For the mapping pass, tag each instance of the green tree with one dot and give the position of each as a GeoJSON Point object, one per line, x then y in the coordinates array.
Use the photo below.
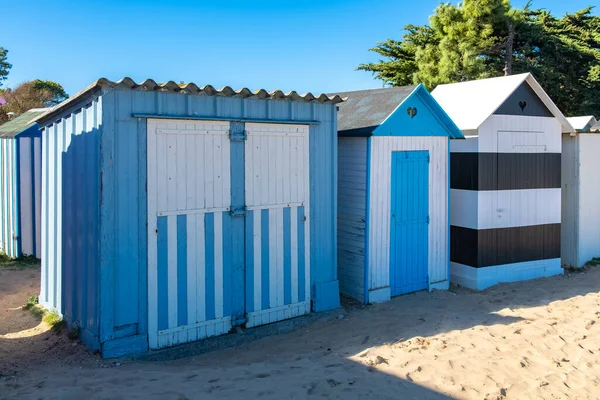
{"type": "Point", "coordinates": [4, 65]}
{"type": "Point", "coordinates": [32, 94]}
{"type": "Point", "coordinates": [486, 38]}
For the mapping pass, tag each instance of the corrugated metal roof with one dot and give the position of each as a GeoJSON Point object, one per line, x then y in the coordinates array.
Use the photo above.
{"type": "Point", "coordinates": [364, 110]}
{"type": "Point", "coordinates": [470, 103]}
{"type": "Point", "coordinates": [583, 123]}
{"type": "Point", "coordinates": [20, 123]}
{"type": "Point", "coordinates": [187, 88]}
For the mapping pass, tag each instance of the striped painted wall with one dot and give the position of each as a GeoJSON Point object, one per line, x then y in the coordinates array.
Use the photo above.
{"type": "Point", "coordinates": [191, 264]}
{"type": "Point", "coordinates": [9, 200]}
{"type": "Point", "coordinates": [379, 218]}
{"type": "Point", "coordinates": [352, 207]}
{"type": "Point", "coordinates": [70, 219]}
{"type": "Point", "coordinates": [506, 201]}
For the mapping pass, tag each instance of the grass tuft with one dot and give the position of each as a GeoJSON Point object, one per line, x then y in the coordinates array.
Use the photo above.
{"type": "Point", "coordinates": [53, 319]}
{"type": "Point", "coordinates": [22, 262]}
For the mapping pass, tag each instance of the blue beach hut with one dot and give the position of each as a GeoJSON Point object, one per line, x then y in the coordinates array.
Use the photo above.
{"type": "Point", "coordinates": [20, 185]}
{"type": "Point", "coordinates": [393, 210]}
{"type": "Point", "coordinates": [175, 212]}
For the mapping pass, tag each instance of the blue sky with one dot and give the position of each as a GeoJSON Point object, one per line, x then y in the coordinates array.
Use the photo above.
{"type": "Point", "coordinates": [289, 45]}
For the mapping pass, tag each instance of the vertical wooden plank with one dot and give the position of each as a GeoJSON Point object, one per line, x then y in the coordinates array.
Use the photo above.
{"type": "Point", "coordinates": [225, 170]}
{"type": "Point", "coordinates": [199, 174]}
{"type": "Point", "coordinates": [294, 252]}
{"type": "Point", "coordinates": [200, 268]}
{"type": "Point", "coordinates": [279, 256]}
{"type": "Point", "coordinates": [209, 182]}
{"type": "Point", "coordinates": [152, 167]}
{"type": "Point", "coordinates": [307, 222]}
{"type": "Point", "coordinates": [192, 263]}
{"type": "Point", "coordinates": [250, 181]}
{"type": "Point", "coordinates": [257, 243]}
{"type": "Point", "coordinates": [172, 268]}
{"type": "Point", "coordinates": [172, 176]}
{"type": "Point", "coordinates": [218, 170]}
{"type": "Point", "coordinates": [161, 170]}
{"type": "Point", "coordinates": [218, 257]}
{"type": "Point", "coordinates": [273, 283]}
{"type": "Point", "coordinates": [182, 183]}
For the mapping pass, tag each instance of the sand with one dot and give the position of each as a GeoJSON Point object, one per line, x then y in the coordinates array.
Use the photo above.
{"type": "Point", "coordinates": [535, 339]}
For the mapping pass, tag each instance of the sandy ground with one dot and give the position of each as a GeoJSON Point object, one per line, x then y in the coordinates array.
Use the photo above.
{"type": "Point", "coordinates": [536, 339]}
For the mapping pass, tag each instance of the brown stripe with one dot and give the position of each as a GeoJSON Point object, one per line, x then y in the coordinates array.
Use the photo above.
{"type": "Point", "coordinates": [504, 171]}
{"type": "Point", "coordinates": [488, 247]}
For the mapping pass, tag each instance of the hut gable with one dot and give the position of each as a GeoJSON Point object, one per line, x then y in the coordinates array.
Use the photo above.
{"type": "Point", "coordinates": [397, 111]}
{"type": "Point", "coordinates": [524, 101]}
{"type": "Point", "coordinates": [471, 103]}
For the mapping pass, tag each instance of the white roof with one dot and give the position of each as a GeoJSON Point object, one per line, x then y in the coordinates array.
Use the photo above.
{"type": "Point", "coordinates": [579, 123]}
{"type": "Point", "coordinates": [470, 103]}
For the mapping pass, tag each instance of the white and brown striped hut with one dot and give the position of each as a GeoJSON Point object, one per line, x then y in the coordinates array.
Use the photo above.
{"type": "Point", "coordinates": [505, 180]}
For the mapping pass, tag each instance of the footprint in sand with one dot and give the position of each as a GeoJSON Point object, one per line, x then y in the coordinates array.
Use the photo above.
{"type": "Point", "coordinates": [589, 325]}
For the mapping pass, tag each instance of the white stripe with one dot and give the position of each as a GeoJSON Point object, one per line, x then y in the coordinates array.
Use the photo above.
{"type": "Point", "coordinates": [250, 181]}
{"type": "Point", "coordinates": [294, 252]}
{"type": "Point", "coordinates": [192, 267]}
{"type": "Point", "coordinates": [201, 270]}
{"type": "Point", "coordinates": [226, 171]}
{"type": "Point", "coordinates": [218, 265]}
{"type": "Point", "coordinates": [159, 163]}
{"type": "Point", "coordinates": [272, 258]}
{"type": "Point", "coordinates": [172, 269]}
{"type": "Point", "coordinates": [505, 208]}
{"type": "Point", "coordinates": [179, 143]}
{"type": "Point", "coordinates": [38, 195]}
{"type": "Point", "coordinates": [257, 260]}
{"type": "Point", "coordinates": [280, 272]}
{"type": "Point", "coordinates": [209, 187]}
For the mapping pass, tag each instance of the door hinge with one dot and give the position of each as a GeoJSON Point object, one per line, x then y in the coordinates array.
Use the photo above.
{"type": "Point", "coordinates": [238, 212]}
{"type": "Point", "coordinates": [238, 136]}
{"type": "Point", "coordinates": [428, 219]}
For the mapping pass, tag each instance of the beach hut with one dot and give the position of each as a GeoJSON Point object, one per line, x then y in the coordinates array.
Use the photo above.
{"type": "Point", "coordinates": [505, 180]}
{"type": "Point", "coordinates": [393, 193]}
{"type": "Point", "coordinates": [20, 185]}
{"type": "Point", "coordinates": [580, 234]}
{"type": "Point", "coordinates": [175, 212]}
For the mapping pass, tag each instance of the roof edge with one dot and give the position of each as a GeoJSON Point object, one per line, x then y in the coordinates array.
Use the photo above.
{"type": "Point", "coordinates": [188, 88]}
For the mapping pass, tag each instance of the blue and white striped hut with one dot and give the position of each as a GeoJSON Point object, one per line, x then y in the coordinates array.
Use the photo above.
{"type": "Point", "coordinates": [177, 212]}
{"type": "Point", "coordinates": [20, 185]}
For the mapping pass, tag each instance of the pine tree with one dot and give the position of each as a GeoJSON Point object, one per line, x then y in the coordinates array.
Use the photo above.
{"type": "Point", "coordinates": [485, 38]}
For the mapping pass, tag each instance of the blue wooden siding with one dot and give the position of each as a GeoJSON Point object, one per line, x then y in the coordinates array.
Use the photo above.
{"type": "Point", "coordinates": [70, 220]}
{"type": "Point", "coordinates": [104, 224]}
{"type": "Point", "coordinates": [409, 222]}
{"type": "Point", "coordinates": [352, 190]}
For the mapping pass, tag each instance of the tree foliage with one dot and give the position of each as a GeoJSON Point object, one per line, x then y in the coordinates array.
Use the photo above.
{"type": "Point", "coordinates": [32, 94]}
{"type": "Point", "coordinates": [4, 65]}
{"type": "Point", "coordinates": [486, 38]}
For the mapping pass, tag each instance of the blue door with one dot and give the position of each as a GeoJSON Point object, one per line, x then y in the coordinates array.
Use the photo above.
{"type": "Point", "coordinates": [409, 221]}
